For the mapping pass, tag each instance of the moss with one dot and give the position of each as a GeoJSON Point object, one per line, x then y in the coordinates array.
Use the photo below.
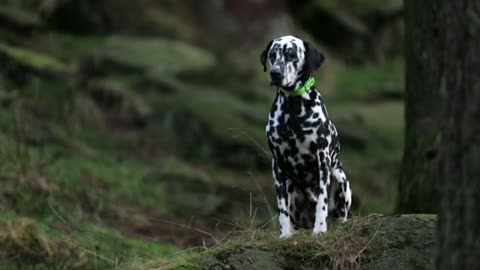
{"type": "Point", "coordinates": [360, 82]}
{"type": "Point", "coordinates": [403, 242]}
{"type": "Point", "coordinates": [72, 49]}
{"type": "Point", "coordinates": [19, 18]}
{"type": "Point", "coordinates": [129, 179]}
{"type": "Point", "coordinates": [120, 249]}
{"type": "Point", "coordinates": [187, 266]}
{"type": "Point", "coordinates": [34, 60]}
{"type": "Point", "coordinates": [169, 24]}
{"type": "Point", "coordinates": [117, 95]}
{"type": "Point", "coordinates": [31, 244]}
{"type": "Point", "coordinates": [156, 55]}
{"type": "Point", "coordinates": [172, 168]}
{"type": "Point", "coordinates": [377, 173]}
{"type": "Point", "coordinates": [215, 124]}
{"type": "Point", "coordinates": [254, 259]}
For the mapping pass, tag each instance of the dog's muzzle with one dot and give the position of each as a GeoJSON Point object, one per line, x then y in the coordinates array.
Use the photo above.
{"type": "Point", "coordinates": [276, 76]}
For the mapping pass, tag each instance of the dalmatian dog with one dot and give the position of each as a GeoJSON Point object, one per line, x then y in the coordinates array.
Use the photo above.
{"type": "Point", "coordinates": [303, 141]}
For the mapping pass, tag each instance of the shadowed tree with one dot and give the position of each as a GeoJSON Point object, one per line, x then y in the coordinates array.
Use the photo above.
{"type": "Point", "coordinates": [459, 150]}
{"type": "Point", "coordinates": [422, 107]}
{"type": "Point", "coordinates": [442, 152]}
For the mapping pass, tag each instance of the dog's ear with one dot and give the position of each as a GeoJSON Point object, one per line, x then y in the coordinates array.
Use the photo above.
{"type": "Point", "coordinates": [263, 56]}
{"type": "Point", "coordinates": [313, 58]}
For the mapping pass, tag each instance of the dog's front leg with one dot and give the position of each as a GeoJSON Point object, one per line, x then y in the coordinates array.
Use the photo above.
{"type": "Point", "coordinates": [321, 210]}
{"type": "Point", "coordinates": [286, 228]}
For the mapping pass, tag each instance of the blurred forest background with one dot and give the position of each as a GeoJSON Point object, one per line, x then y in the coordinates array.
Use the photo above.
{"type": "Point", "coordinates": [132, 130]}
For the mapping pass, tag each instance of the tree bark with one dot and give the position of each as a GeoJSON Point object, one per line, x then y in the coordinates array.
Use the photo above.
{"type": "Point", "coordinates": [442, 150]}
{"type": "Point", "coordinates": [422, 104]}
{"type": "Point", "coordinates": [459, 170]}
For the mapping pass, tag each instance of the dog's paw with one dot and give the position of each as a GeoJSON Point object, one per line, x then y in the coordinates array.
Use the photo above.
{"type": "Point", "coordinates": [318, 234]}
{"type": "Point", "coordinates": [285, 235]}
{"type": "Point", "coordinates": [320, 229]}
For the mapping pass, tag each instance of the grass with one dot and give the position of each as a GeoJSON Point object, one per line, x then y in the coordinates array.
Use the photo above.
{"type": "Point", "coordinates": [25, 242]}
{"type": "Point", "coordinates": [358, 82]}
{"type": "Point", "coordinates": [344, 246]}
{"type": "Point", "coordinates": [370, 242]}
{"type": "Point", "coordinates": [36, 244]}
{"type": "Point", "coordinates": [73, 195]}
{"type": "Point", "coordinates": [375, 177]}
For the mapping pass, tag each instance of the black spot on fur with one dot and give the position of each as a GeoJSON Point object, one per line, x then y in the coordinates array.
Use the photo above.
{"type": "Point", "coordinates": [297, 215]}
{"type": "Point", "coordinates": [304, 220]}
{"type": "Point", "coordinates": [312, 147]}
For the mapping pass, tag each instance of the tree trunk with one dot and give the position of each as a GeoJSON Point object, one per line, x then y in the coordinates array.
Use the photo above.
{"type": "Point", "coordinates": [423, 105]}
{"type": "Point", "coordinates": [443, 124]}
{"type": "Point", "coordinates": [459, 170]}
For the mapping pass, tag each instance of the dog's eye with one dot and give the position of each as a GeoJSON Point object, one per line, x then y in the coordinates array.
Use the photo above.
{"type": "Point", "coordinates": [292, 55]}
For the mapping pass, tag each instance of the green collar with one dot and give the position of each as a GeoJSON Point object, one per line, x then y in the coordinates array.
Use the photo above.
{"type": "Point", "coordinates": [302, 90]}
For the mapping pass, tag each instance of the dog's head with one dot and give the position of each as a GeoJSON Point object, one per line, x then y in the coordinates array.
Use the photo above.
{"type": "Point", "coordinates": [290, 59]}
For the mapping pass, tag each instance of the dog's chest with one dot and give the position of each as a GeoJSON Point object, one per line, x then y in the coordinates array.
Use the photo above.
{"type": "Point", "coordinates": [296, 129]}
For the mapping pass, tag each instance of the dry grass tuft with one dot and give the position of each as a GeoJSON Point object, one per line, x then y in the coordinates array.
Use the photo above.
{"type": "Point", "coordinates": [21, 241]}
{"type": "Point", "coordinates": [349, 249]}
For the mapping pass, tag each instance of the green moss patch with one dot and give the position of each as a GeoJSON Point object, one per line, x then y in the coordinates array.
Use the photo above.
{"type": "Point", "coordinates": [36, 61]}
{"type": "Point", "coordinates": [18, 18]}
{"type": "Point", "coordinates": [155, 55]}
{"type": "Point", "coordinates": [366, 82]}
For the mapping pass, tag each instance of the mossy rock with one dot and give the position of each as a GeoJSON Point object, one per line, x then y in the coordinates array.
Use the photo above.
{"type": "Point", "coordinates": [128, 108]}
{"type": "Point", "coordinates": [213, 125]}
{"type": "Point", "coordinates": [155, 56]}
{"type": "Point", "coordinates": [19, 19]}
{"type": "Point", "coordinates": [71, 49]}
{"type": "Point", "coordinates": [374, 242]}
{"type": "Point", "coordinates": [31, 61]}
{"type": "Point", "coordinates": [403, 242]}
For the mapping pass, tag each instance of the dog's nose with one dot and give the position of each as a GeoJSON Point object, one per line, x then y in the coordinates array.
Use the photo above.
{"type": "Point", "coordinates": [275, 75]}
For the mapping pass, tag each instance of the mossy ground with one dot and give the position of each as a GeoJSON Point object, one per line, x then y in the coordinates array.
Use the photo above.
{"type": "Point", "coordinates": [374, 242]}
